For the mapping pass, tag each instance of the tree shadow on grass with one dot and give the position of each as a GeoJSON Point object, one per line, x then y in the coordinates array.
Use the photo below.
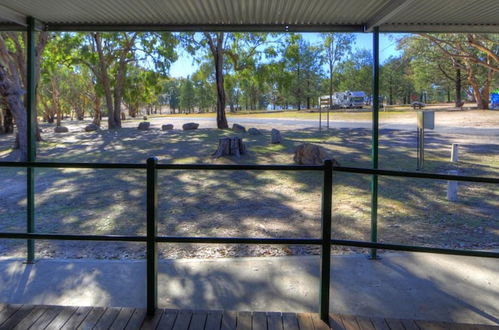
{"type": "Point", "coordinates": [246, 203]}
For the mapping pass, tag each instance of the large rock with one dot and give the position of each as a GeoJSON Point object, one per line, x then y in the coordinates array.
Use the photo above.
{"type": "Point", "coordinates": [238, 128]}
{"type": "Point", "coordinates": [254, 131]}
{"type": "Point", "coordinates": [91, 128]}
{"type": "Point", "coordinates": [167, 127]}
{"type": "Point", "coordinates": [311, 154]}
{"type": "Point", "coordinates": [144, 126]}
{"type": "Point", "coordinates": [61, 129]}
{"type": "Point", "coordinates": [276, 136]}
{"type": "Point", "coordinates": [190, 126]}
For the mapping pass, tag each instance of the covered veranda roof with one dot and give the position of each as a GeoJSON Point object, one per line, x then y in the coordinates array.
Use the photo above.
{"type": "Point", "coordinates": [254, 15]}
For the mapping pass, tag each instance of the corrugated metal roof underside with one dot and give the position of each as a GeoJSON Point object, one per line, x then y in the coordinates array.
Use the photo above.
{"type": "Point", "coordinates": [416, 15]}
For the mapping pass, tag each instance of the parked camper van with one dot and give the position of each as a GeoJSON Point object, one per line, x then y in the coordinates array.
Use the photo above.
{"type": "Point", "coordinates": [345, 100]}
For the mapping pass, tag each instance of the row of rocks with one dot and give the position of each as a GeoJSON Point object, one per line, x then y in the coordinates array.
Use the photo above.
{"type": "Point", "coordinates": [145, 125]}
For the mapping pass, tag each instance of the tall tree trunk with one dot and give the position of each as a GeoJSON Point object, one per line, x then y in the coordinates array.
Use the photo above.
{"type": "Point", "coordinates": [105, 81]}
{"type": "Point", "coordinates": [458, 87]}
{"type": "Point", "coordinates": [330, 84]}
{"type": "Point", "coordinates": [218, 57]}
{"type": "Point", "coordinates": [12, 94]}
{"type": "Point", "coordinates": [8, 123]}
{"type": "Point", "coordinates": [97, 112]}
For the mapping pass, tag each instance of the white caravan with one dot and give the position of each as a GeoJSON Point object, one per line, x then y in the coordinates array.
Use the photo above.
{"type": "Point", "coordinates": [347, 99]}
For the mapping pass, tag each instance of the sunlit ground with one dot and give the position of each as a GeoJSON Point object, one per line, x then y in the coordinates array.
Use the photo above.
{"type": "Point", "coordinates": [248, 204]}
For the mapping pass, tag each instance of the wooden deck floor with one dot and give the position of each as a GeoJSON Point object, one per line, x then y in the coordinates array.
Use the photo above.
{"type": "Point", "coordinates": [57, 317]}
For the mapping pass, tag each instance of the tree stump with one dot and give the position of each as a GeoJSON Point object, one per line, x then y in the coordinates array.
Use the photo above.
{"type": "Point", "coordinates": [230, 146]}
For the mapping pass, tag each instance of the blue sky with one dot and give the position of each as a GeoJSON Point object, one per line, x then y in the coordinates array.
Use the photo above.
{"type": "Point", "coordinates": [185, 66]}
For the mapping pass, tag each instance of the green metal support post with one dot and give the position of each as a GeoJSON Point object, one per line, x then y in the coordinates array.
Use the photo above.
{"type": "Point", "coordinates": [152, 233]}
{"type": "Point", "coordinates": [375, 143]}
{"type": "Point", "coordinates": [31, 127]}
{"type": "Point", "coordinates": [327, 194]}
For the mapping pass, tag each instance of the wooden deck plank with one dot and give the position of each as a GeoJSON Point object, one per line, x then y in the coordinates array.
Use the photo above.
{"type": "Point", "coordinates": [274, 321]}
{"type": "Point", "coordinates": [350, 322]}
{"type": "Point", "coordinates": [151, 322]}
{"type": "Point", "coordinates": [57, 317]}
{"type": "Point", "coordinates": [213, 320]}
{"type": "Point", "coordinates": [259, 320]}
{"type": "Point", "coordinates": [31, 318]}
{"type": "Point", "coordinates": [229, 320]}
{"type": "Point", "coordinates": [17, 317]}
{"type": "Point", "coordinates": [46, 318]}
{"type": "Point", "coordinates": [198, 320]}
{"type": "Point", "coordinates": [122, 319]}
{"type": "Point", "coordinates": [409, 325]}
{"type": "Point", "coordinates": [305, 321]}
{"type": "Point", "coordinates": [364, 323]}
{"type": "Point", "coordinates": [427, 325]}
{"type": "Point", "coordinates": [318, 323]}
{"type": "Point", "coordinates": [107, 318]}
{"type": "Point", "coordinates": [75, 320]}
{"type": "Point", "coordinates": [379, 323]}
{"type": "Point", "coordinates": [61, 318]}
{"type": "Point", "coordinates": [92, 318]}
{"type": "Point", "coordinates": [183, 320]}
{"type": "Point", "coordinates": [244, 321]}
{"type": "Point", "coordinates": [168, 319]}
{"type": "Point", "coordinates": [289, 321]}
{"type": "Point", "coordinates": [335, 322]}
{"type": "Point", "coordinates": [7, 312]}
{"type": "Point", "coordinates": [137, 319]}
{"type": "Point", "coordinates": [394, 324]}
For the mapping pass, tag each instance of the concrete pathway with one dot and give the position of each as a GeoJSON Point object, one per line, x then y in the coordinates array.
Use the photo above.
{"type": "Point", "coordinates": [410, 285]}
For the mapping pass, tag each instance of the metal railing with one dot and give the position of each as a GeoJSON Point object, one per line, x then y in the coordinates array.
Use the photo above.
{"type": "Point", "coordinates": [152, 239]}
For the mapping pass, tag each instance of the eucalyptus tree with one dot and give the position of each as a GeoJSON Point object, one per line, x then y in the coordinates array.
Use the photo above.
{"type": "Point", "coordinates": [238, 48]}
{"type": "Point", "coordinates": [108, 55]}
{"type": "Point", "coordinates": [476, 55]}
{"type": "Point", "coordinates": [187, 95]}
{"type": "Point", "coordinates": [171, 93]}
{"type": "Point", "coordinates": [303, 61]}
{"type": "Point", "coordinates": [13, 82]}
{"type": "Point", "coordinates": [355, 73]}
{"type": "Point", "coordinates": [335, 47]}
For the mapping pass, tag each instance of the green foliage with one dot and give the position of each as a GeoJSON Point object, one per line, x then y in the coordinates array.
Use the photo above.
{"type": "Point", "coordinates": [187, 96]}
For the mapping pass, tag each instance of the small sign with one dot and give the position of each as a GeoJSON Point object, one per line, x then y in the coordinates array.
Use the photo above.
{"type": "Point", "coordinates": [426, 119]}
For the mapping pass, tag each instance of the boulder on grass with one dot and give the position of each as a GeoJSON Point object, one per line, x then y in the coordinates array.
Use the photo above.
{"type": "Point", "coordinates": [276, 136]}
{"type": "Point", "coordinates": [190, 126]}
{"type": "Point", "coordinates": [238, 128]}
{"type": "Point", "coordinates": [144, 126]}
{"type": "Point", "coordinates": [91, 128]}
{"type": "Point", "coordinates": [254, 131]}
{"type": "Point", "coordinates": [167, 127]}
{"type": "Point", "coordinates": [311, 154]}
{"type": "Point", "coordinates": [61, 129]}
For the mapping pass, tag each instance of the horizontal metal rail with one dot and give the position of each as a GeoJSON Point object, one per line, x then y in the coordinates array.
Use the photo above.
{"type": "Point", "coordinates": [249, 241]}
{"type": "Point", "coordinates": [152, 239]}
{"type": "Point", "coordinates": [210, 167]}
{"type": "Point", "coordinates": [419, 175]}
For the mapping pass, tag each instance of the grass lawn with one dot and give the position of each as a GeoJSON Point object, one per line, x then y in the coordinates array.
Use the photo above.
{"type": "Point", "coordinates": [247, 204]}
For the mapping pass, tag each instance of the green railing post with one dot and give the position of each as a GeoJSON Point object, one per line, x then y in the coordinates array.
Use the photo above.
{"type": "Point", "coordinates": [30, 127]}
{"type": "Point", "coordinates": [152, 245]}
{"type": "Point", "coordinates": [375, 142]}
{"type": "Point", "coordinates": [327, 193]}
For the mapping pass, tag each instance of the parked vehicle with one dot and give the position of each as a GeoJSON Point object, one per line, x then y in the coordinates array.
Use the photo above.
{"type": "Point", "coordinates": [345, 100]}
